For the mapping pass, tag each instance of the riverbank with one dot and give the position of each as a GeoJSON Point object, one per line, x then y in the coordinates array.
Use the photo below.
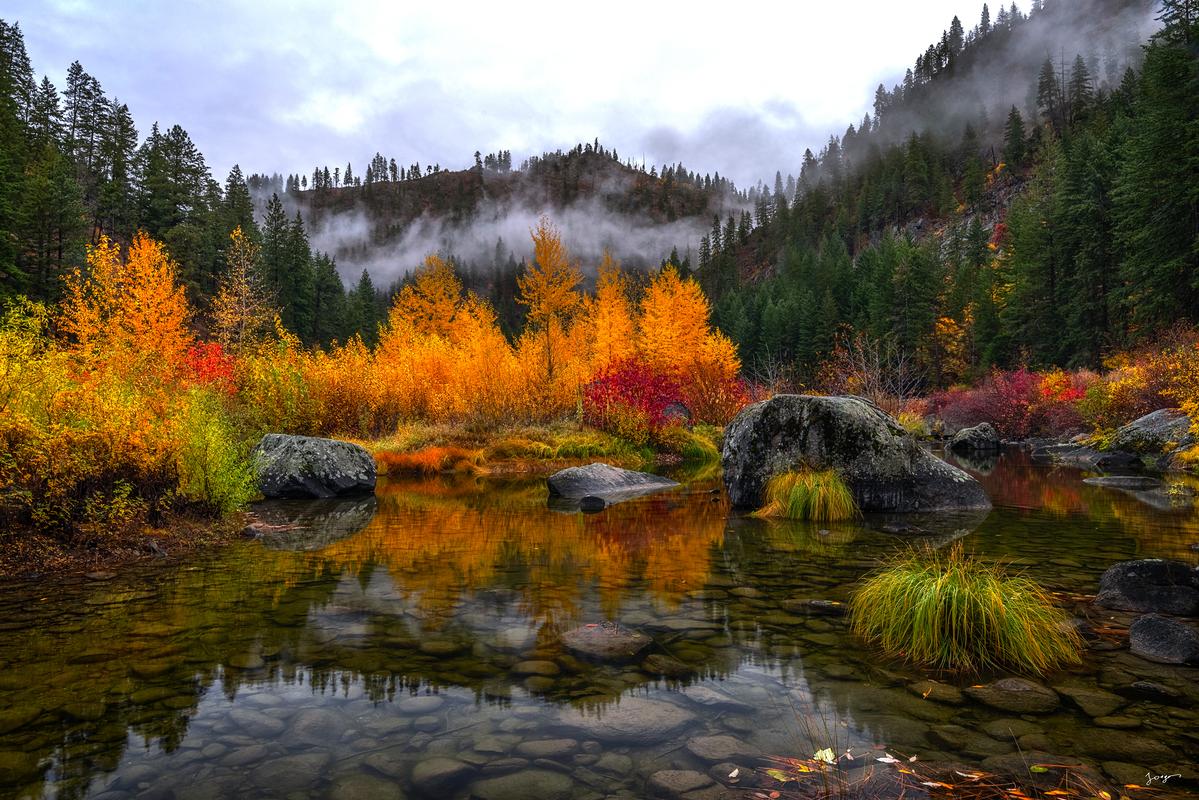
{"type": "Point", "coordinates": [415, 449]}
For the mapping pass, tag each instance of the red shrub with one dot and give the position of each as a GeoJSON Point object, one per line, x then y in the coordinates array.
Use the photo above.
{"type": "Point", "coordinates": [631, 400]}
{"type": "Point", "coordinates": [207, 364]}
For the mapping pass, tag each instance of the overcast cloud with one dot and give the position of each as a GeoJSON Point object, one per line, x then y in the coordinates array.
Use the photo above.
{"type": "Point", "coordinates": [738, 88]}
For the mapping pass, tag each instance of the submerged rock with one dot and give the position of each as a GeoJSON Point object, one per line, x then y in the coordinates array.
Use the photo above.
{"type": "Point", "coordinates": [671, 783]}
{"type": "Point", "coordinates": [1164, 640]}
{"type": "Point", "coordinates": [982, 438]}
{"type": "Point", "coordinates": [596, 483]}
{"type": "Point", "coordinates": [605, 642]}
{"type": "Point", "coordinates": [634, 721]}
{"type": "Point", "coordinates": [306, 466]}
{"type": "Point", "coordinates": [1155, 433]}
{"type": "Point", "coordinates": [1151, 585]}
{"type": "Point", "coordinates": [884, 467]}
{"type": "Point", "coordinates": [1018, 695]}
{"type": "Point", "coordinates": [528, 783]}
{"type": "Point", "coordinates": [439, 775]}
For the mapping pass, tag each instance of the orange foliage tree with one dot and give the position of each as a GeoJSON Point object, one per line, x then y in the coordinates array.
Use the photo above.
{"type": "Point", "coordinates": [549, 287]}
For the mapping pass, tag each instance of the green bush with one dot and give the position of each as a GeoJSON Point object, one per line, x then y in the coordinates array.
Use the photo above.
{"type": "Point", "coordinates": [953, 612]}
{"type": "Point", "coordinates": [815, 495]}
{"type": "Point", "coordinates": [215, 471]}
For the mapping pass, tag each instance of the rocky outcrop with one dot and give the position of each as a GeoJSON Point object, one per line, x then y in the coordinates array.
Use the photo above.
{"type": "Point", "coordinates": [1161, 431]}
{"type": "Point", "coordinates": [603, 483]}
{"type": "Point", "coordinates": [884, 467]}
{"type": "Point", "coordinates": [305, 466]}
{"type": "Point", "coordinates": [1164, 640]}
{"type": "Point", "coordinates": [982, 438]}
{"type": "Point", "coordinates": [1084, 457]}
{"type": "Point", "coordinates": [1151, 585]}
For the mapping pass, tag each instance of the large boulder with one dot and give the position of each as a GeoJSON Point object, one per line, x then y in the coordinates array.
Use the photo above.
{"type": "Point", "coordinates": [605, 482]}
{"type": "Point", "coordinates": [305, 466]}
{"type": "Point", "coordinates": [884, 467]}
{"type": "Point", "coordinates": [1151, 585]}
{"type": "Point", "coordinates": [982, 438]}
{"type": "Point", "coordinates": [1163, 639]}
{"type": "Point", "coordinates": [1157, 432]}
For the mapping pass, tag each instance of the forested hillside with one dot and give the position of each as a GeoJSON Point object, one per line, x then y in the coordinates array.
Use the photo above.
{"type": "Point", "coordinates": [74, 168]}
{"type": "Point", "coordinates": [1062, 228]}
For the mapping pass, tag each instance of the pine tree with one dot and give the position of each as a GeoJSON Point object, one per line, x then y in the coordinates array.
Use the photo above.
{"type": "Point", "coordinates": [1013, 140]}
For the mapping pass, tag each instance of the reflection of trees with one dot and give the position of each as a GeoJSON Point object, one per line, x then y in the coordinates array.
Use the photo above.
{"type": "Point", "coordinates": [435, 534]}
{"type": "Point", "coordinates": [1060, 492]}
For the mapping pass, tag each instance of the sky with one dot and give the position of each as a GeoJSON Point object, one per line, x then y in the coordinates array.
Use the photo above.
{"type": "Point", "coordinates": [737, 88]}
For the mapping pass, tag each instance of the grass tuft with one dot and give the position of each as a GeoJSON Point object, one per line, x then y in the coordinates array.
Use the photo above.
{"type": "Point", "coordinates": [815, 495]}
{"type": "Point", "coordinates": [431, 460]}
{"type": "Point", "coordinates": [953, 612]}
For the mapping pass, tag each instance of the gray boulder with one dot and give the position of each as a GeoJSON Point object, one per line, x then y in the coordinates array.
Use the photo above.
{"type": "Point", "coordinates": [1151, 585]}
{"type": "Point", "coordinates": [1164, 640]}
{"type": "Point", "coordinates": [604, 482]}
{"type": "Point", "coordinates": [1134, 483]}
{"type": "Point", "coordinates": [982, 438]}
{"type": "Point", "coordinates": [305, 466]}
{"type": "Point", "coordinates": [1162, 430]}
{"type": "Point", "coordinates": [884, 467]}
{"type": "Point", "coordinates": [1083, 457]}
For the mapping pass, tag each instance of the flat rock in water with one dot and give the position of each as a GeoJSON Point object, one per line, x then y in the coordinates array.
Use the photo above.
{"type": "Point", "coordinates": [605, 642]}
{"type": "Point", "coordinates": [1151, 585]}
{"type": "Point", "coordinates": [884, 467]}
{"type": "Point", "coordinates": [524, 785]}
{"type": "Point", "coordinates": [634, 721]}
{"type": "Point", "coordinates": [1083, 457]}
{"type": "Point", "coordinates": [603, 482]}
{"type": "Point", "coordinates": [307, 466]}
{"type": "Point", "coordinates": [1164, 640]}
{"type": "Point", "coordinates": [1018, 695]}
{"type": "Point", "coordinates": [1135, 483]}
{"type": "Point", "coordinates": [672, 783]}
{"type": "Point", "coordinates": [438, 774]}
{"type": "Point", "coordinates": [1093, 702]}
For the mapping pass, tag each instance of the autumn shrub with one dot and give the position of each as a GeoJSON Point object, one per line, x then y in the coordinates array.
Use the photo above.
{"type": "Point", "coordinates": [696, 444]}
{"type": "Point", "coordinates": [951, 611]}
{"type": "Point", "coordinates": [430, 461]}
{"type": "Point", "coordinates": [214, 466]}
{"type": "Point", "coordinates": [1020, 403]}
{"type": "Point", "coordinates": [632, 400]}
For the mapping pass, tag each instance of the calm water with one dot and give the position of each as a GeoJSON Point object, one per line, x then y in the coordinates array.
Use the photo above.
{"type": "Point", "coordinates": [409, 646]}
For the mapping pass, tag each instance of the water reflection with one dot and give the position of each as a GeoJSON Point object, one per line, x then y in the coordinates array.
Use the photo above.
{"type": "Point", "coordinates": [356, 641]}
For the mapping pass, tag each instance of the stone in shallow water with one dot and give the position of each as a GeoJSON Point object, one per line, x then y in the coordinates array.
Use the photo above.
{"type": "Point", "coordinates": [547, 748]}
{"type": "Point", "coordinates": [421, 704]}
{"type": "Point", "coordinates": [633, 721]}
{"type": "Point", "coordinates": [1019, 695]}
{"type": "Point", "coordinates": [1119, 722]}
{"type": "Point", "coordinates": [361, 786]}
{"type": "Point", "coordinates": [1150, 585]}
{"type": "Point", "coordinates": [938, 692]}
{"type": "Point", "coordinates": [436, 775]}
{"type": "Point", "coordinates": [1093, 702]}
{"type": "Point", "coordinates": [524, 785]}
{"type": "Point", "coordinates": [1115, 745]}
{"type": "Point", "coordinates": [17, 767]}
{"type": "Point", "coordinates": [316, 726]}
{"type": "Point", "coordinates": [257, 724]}
{"type": "Point", "coordinates": [536, 668]}
{"type": "Point", "coordinates": [662, 664]}
{"type": "Point", "coordinates": [720, 748]}
{"type": "Point", "coordinates": [290, 773]}
{"type": "Point", "coordinates": [605, 482]}
{"type": "Point", "coordinates": [673, 783]}
{"type": "Point", "coordinates": [17, 717]}
{"type": "Point", "coordinates": [968, 742]}
{"type": "Point", "coordinates": [1164, 640]}
{"type": "Point", "coordinates": [711, 698]}
{"type": "Point", "coordinates": [605, 642]}
{"type": "Point", "coordinates": [1009, 729]}
{"type": "Point", "coordinates": [246, 661]}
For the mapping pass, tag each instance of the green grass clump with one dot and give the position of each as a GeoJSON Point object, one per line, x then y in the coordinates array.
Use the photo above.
{"type": "Point", "coordinates": [953, 612]}
{"type": "Point", "coordinates": [815, 495]}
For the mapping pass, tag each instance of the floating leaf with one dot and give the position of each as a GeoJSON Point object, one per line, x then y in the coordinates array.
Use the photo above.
{"type": "Point", "coordinates": [778, 775]}
{"type": "Point", "coordinates": [1038, 768]}
{"type": "Point", "coordinates": [735, 772]}
{"type": "Point", "coordinates": [888, 760]}
{"type": "Point", "coordinates": [825, 755]}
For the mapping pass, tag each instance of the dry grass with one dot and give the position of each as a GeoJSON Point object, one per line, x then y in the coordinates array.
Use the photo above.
{"type": "Point", "coordinates": [818, 496]}
{"type": "Point", "coordinates": [430, 461]}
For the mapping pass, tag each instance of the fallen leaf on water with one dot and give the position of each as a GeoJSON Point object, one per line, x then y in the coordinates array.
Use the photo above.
{"type": "Point", "coordinates": [1038, 768]}
{"type": "Point", "coordinates": [888, 760]}
{"type": "Point", "coordinates": [735, 773]}
{"type": "Point", "coordinates": [825, 755]}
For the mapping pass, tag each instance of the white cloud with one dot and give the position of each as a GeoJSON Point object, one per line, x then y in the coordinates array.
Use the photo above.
{"type": "Point", "coordinates": [281, 86]}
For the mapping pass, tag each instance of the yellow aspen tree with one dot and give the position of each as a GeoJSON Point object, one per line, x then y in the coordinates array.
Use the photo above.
{"type": "Point", "coordinates": [611, 316]}
{"type": "Point", "coordinates": [242, 313]}
{"type": "Point", "coordinates": [549, 287]}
